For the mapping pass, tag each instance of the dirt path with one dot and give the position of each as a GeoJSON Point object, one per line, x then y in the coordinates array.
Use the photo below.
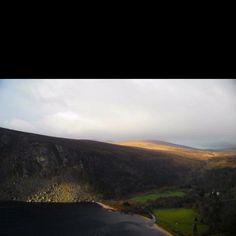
{"type": "Point", "coordinates": [106, 206]}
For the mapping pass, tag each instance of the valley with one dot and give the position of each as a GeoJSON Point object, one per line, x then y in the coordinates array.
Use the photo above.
{"type": "Point", "coordinates": [175, 183]}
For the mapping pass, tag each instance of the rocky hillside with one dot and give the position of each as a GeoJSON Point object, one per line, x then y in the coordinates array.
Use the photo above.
{"type": "Point", "coordinates": [41, 168]}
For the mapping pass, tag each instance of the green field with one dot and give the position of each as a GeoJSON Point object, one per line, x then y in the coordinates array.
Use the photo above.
{"type": "Point", "coordinates": [142, 198]}
{"type": "Point", "coordinates": [179, 220]}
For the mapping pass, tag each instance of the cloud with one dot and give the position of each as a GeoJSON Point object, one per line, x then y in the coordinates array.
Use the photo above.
{"type": "Point", "coordinates": [21, 125]}
{"type": "Point", "coordinates": [191, 112]}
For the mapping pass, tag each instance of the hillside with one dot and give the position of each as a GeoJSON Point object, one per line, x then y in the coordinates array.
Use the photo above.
{"type": "Point", "coordinates": [42, 168]}
{"type": "Point", "coordinates": [180, 150]}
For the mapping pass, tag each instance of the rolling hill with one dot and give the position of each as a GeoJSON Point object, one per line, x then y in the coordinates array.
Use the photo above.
{"type": "Point", "coordinates": [180, 150]}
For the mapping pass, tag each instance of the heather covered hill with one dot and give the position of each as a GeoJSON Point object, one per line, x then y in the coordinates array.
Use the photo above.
{"type": "Point", "coordinates": [41, 168]}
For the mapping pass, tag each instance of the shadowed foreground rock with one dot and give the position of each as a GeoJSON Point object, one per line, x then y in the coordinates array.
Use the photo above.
{"type": "Point", "coordinates": [70, 219]}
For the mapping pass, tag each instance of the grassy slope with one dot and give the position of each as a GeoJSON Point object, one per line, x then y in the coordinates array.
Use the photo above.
{"type": "Point", "coordinates": [184, 217]}
{"type": "Point", "coordinates": [142, 198]}
{"type": "Point", "coordinates": [167, 217]}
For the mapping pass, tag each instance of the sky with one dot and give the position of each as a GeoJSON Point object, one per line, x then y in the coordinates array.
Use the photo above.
{"type": "Point", "coordinates": [194, 112]}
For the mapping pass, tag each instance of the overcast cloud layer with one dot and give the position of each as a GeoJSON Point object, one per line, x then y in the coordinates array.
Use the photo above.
{"type": "Point", "coordinates": [198, 113]}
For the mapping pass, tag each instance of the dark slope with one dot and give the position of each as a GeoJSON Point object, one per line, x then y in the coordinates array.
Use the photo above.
{"type": "Point", "coordinates": [70, 219]}
{"type": "Point", "coordinates": [42, 168]}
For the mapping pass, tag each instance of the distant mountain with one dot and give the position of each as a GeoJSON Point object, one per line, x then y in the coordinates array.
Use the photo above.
{"type": "Point", "coordinates": [169, 144]}
{"type": "Point", "coordinates": [42, 168]}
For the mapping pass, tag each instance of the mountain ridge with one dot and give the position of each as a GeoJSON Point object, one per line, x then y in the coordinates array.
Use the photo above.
{"type": "Point", "coordinates": [117, 142]}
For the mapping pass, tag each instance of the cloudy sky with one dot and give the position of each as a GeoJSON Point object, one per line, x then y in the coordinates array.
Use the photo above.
{"type": "Point", "coordinates": [199, 113]}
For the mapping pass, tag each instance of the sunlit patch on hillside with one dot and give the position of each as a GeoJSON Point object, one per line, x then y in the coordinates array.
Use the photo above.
{"type": "Point", "coordinates": [178, 150]}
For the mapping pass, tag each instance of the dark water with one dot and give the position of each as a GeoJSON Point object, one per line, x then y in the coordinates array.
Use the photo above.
{"type": "Point", "coordinates": [88, 219]}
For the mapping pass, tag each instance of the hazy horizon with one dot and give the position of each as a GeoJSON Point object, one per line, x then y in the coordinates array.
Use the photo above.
{"type": "Point", "coordinates": [196, 113]}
